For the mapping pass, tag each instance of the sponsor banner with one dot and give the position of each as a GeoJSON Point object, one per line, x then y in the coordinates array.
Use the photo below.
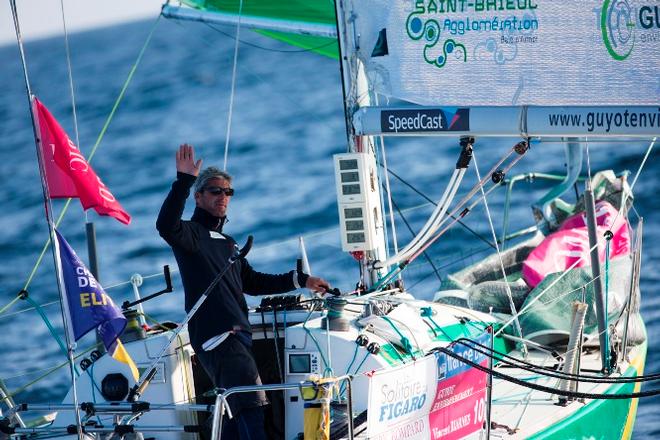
{"type": "Point", "coordinates": [510, 52]}
{"type": "Point", "coordinates": [424, 120]}
{"type": "Point", "coordinates": [400, 400]}
{"type": "Point", "coordinates": [596, 121]}
{"type": "Point", "coordinates": [460, 401]}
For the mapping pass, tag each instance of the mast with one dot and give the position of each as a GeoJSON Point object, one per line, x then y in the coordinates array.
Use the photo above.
{"type": "Point", "coordinates": [357, 94]}
{"type": "Point", "coordinates": [48, 208]}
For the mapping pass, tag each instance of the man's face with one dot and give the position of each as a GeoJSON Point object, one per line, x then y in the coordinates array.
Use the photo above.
{"type": "Point", "coordinates": [215, 204]}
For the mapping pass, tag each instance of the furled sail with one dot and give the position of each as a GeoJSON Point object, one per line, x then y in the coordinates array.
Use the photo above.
{"type": "Point", "coordinates": [309, 24]}
{"type": "Point", "coordinates": [511, 52]}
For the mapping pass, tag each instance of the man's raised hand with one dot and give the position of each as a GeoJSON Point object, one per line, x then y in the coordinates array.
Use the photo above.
{"type": "Point", "coordinates": [185, 160]}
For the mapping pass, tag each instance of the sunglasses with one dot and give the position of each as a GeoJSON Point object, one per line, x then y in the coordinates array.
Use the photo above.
{"type": "Point", "coordinates": [217, 190]}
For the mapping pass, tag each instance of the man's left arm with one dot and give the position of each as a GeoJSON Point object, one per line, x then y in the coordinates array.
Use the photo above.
{"type": "Point", "coordinates": [259, 283]}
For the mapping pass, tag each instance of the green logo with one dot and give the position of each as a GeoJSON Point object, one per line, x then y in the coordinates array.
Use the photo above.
{"type": "Point", "coordinates": [436, 50]}
{"type": "Point", "coordinates": [617, 24]}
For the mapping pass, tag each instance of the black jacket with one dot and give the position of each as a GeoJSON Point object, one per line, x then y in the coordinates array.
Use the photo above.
{"type": "Point", "coordinates": [202, 251]}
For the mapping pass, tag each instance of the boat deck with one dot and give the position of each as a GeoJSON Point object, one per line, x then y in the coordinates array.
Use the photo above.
{"type": "Point", "coordinates": [520, 412]}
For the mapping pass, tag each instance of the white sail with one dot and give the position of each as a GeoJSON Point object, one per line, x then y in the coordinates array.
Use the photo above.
{"type": "Point", "coordinates": [512, 52]}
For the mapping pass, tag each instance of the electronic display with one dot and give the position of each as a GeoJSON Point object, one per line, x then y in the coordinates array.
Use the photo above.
{"type": "Point", "coordinates": [353, 212]}
{"type": "Point", "coordinates": [354, 225]}
{"type": "Point", "coordinates": [349, 164]}
{"type": "Point", "coordinates": [300, 363]}
{"type": "Point", "coordinates": [352, 176]}
{"type": "Point", "coordinates": [355, 237]}
{"type": "Point", "coordinates": [349, 190]}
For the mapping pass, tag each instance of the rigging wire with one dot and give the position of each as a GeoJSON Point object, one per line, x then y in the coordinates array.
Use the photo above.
{"type": "Point", "coordinates": [233, 83]}
{"type": "Point", "coordinates": [390, 201]}
{"type": "Point", "coordinates": [48, 210]}
{"type": "Point", "coordinates": [68, 201]}
{"type": "Point", "coordinates": [428, 199]}
{"type": "Point", "coordinates": [403, 265]}
{"type": "Point", "coordinates": [73, 95]}
{"type": "Point", "coordinates": [48, 372]}
{"type": "Point", "coordinates": [412, 251]}
{"type": "Point", "coordinates": [579, 260]}
{"type": "Point", "coordinates": [120, 97]}
{"type": "Point", "coordinates": [451, 263]}
{"type": "Point", "coordinates": [70, 75]}
{"type": "Point", "coordinates": [586, 148]}
{"type": "Point", "coordinates": [412, 232]}
{"type": "Point", "coordinates": [641, 166]}
{"type": "Point", "coordinates": [549, 371]}
{"type": "Point", "coordinates": [549, 390]}
{"type": "Point", "coordinates": [626, 194]}
{"type": "Point", "coordinates": [499, 254]}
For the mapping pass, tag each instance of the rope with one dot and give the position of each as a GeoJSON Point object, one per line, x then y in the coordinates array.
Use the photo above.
{"type": "Point", "coordinates": [32, 382]}
{"type": "Point", "coordinates": [560, 277]}
{"type": "Point", "coordinates": [547, 371]}
{"type": "Point", "coordinates": [390, 200]}
{"type": "Point", "coordinates": [364, 359]}
{"type": "Point", "coordinates": [427, 312]}
{"type": "Point", "coordinates": [342, 387]}
{"type": "Point", "coordinates": [123, 89]}
{"type": "Point", "coordinates": [405, 342]}
{"type": "Point", "coordinates": [48, 324]}
{"type": "Point", "coordinates": [412, 232]}
{"type": "Point", "coordinates": [94, 148]}
{"type": "Point", "coordinates": [428, 199]}
{"type": "Point", "coordinates": [549, 390]}
{"type": "Point", "coordinates": [499, 254]}
{"type": "Point", "coordinates": [48, 372]}
{"type": "Point", "coordinates": [28, 309]}
{"type": "Point", "coordinates": [233, 83]}
{"type": "Point", "coordinates": [9, 304]}
{"type": "Point", "coordinates": [588, 160]}
{"type": "Point", "coordinates": [547, 289]}
{"type": "Point", "coordinates": [451, 263]}
{"type": "Point", "coordinates": [467, 197]}
{"type": "Point", "coordinates": [304, 326]}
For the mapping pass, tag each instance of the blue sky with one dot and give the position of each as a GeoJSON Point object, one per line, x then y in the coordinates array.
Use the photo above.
{"type": "Point", "coordinates": [42, 18]}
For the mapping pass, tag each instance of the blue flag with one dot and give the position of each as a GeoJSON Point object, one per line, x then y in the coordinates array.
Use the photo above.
{"type": "Point", "coordinates": [89, 307]}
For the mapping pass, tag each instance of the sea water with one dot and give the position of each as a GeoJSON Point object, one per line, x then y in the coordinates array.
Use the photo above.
{"type": "Point", "coordinates": [286, 124]}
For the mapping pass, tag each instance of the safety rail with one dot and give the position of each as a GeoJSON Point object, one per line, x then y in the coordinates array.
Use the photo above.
{"type": "Point", "coordinates": [221, 399]}
{"type": "Point", "coordinates": [123, 408]}
{"type": "Point", "coordinates": [117, 409]}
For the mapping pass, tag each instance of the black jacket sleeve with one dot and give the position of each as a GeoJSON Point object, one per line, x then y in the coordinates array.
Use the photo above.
{"type": "Point", "coordinates": [258, 283]}
{"type": "Point", "coordinates": [169, 224]}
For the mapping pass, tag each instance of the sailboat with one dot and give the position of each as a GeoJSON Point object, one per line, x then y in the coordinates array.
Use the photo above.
{"type": "Point", "coordinates": [541, 339]}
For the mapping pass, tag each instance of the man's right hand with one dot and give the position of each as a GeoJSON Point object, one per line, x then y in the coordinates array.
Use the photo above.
{"type": "Point", "coordinates": [185, 160]}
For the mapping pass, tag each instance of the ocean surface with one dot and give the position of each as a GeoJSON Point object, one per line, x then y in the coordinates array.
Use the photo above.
{"type": "Point", "coordinates": [287, 122]}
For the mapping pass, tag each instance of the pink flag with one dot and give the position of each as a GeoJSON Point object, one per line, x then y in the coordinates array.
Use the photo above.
{"type": "Point", "coordinates": [67, 172]}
